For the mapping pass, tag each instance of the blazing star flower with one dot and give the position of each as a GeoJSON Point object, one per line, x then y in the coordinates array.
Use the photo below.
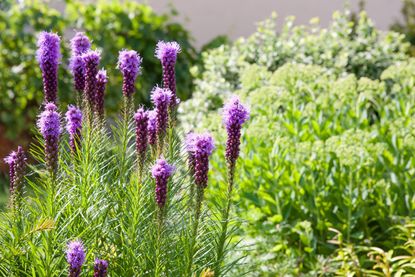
{"type": "Point", "coordinates": [161, 99]}
{"type": "Point", "coordinates": [129, 63]}
{"type": "Point", "coordinates": [74, 126]}
{"type": "Point", "coordinates": [48, 56]}
{"type": "Point", "coordinates": [167, 52]}
{"type": "Point", "coordinates": [152, 127]}
{"type": "Point", "coordinates": [77, 67]}
{"type": "Point", "coordinates": [200, 147]}
{"type": "Point", "coordinates": [49, 126]}
{"type": "Point", "coordinates": [234, 115]}
{"type": "Point", "coordinates": [102, 80]}
{"type": "Point", "coordinates": [100, 268]}
{"type": "Point", "coordinates": [161, 172]}
{"type": "Point", "coordinates": [91, 60]}
{"type": "Point", "coordinates": [11, 161]}
{"type": "Point", "coordinates": [141, 129]}
{"type": "Point", "coordinates": [75, 256]}
{"type": "Point", "coordinates": [17, 165]}
{"type": "Point", "coordinates": [80, 44]}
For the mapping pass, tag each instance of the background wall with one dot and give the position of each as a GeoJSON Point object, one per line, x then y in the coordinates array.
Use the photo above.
{"type": "Point", "coordinates": [209, 18]}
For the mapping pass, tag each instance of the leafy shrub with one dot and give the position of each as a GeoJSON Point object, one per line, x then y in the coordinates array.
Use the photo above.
{"type": "Point", "coordinates": [96, 193]}
{"type": "Point", "coordinates": [328, 147]}
{"type": "Point", "coordinates": [326, 154]}
{"type": "Point", "coordinates": [115, 25]}
{"type": "Point", "coordinates": [342, 48]}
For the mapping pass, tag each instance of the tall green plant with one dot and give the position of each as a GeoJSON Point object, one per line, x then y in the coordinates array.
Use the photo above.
{"type": "Point", "coordinates": [96, 195]}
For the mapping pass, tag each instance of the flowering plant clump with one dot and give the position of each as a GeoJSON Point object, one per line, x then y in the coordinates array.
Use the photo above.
{"type": "Point", "coordinates": [128, 194]}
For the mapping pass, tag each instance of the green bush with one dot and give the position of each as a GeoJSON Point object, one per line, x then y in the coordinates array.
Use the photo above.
{"type": "Point", "coordinates": [113, 25]}
{"type": "Point", "coordinates": [326, 170]}
{"type": "Point", "coordinates": [344, 47]}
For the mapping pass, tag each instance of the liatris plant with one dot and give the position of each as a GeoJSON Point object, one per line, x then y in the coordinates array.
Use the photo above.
{"type": "Point", "coordinates": [91, 59]}
{"type": "Point", "coordinates": [234, 115]}
{"type": "Point", "coordinates": [129, 63]}
{"type": "Point", "coordinates": [139, 216]}
{"type": "Point", "coordinates": [161, 172]}
{"type": "Point", "coordinates": [200, 147]}
{"type": "Point", "coordinates": [75, 256]}
{"type": "Point", "coordinates": [152, 127]}
{"type": "Point", "coordinates": [141, 125]}
{"type": "Point", "coordinates": [161, 99]}
{"type": "Point", "coordinates": [49, 126]}
{"type": "Point", "coordinates": [102, 80]}
{"type": "Point", "coordinates": [74, 127]}
{"type": "Point", "coordinates": [100, 268]}
{"type": "Point", "coordinates": [17, 165]}
{"type": "Point", "coordinates": [80, 44]}
{"type": "Point", "coordinates": [48, 56]}
{"type": "Point", "coordinates": [167, 52]}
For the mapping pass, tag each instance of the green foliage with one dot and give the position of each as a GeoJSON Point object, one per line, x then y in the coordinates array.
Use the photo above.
{"type": "Point", "coordinates": [407, 27]}
{"type": "Point", "coordinates": [344, 47]}
{"type": "Point", "coordinates": [325, 155]}
{"type": "Point", "coordinates": [99, 195]}
{"type": "Point", "coordinates": [113, 25]}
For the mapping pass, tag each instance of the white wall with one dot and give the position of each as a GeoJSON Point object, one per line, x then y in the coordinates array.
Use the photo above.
{"type": "Point", "coordinates": [209, 18]}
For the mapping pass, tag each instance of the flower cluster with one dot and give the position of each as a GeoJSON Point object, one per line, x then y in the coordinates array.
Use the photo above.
{"type": "Point", "coordinates": [199, 147]}
{"type": "Point", "coordinates": [167, 52]}
{"type": "Point", "coordinates": [152, 127]}
{"type": "Point", "coordinates": [102, 80]}
{"type": "Point", "coordinates": [100, 268]}
{"type": "Point", "coordinates": [17, 165]}
{"type": "Point", "coordinates": [74, 126]}
{"type": "Point", "coordinates": [48, 56]}
{"type": "Point", "coordinates": [75, 256]}
{"type": "Point", "coordinates": [91, 59]}
{"type": "Point", "coordinates": [161, 99]}
{"type": "Point", "coordinates": [161, 172]}
{"type": "Point", "coordinates": [49, 127]}
{"type": "Point", "coordinates": [129, 63]}
{"type": "Point", "coordinates": [234, 115]}
{"type": "Point", "coordinates": [141, 129]}
{"type": "Point", "coordinates": [80, 44]}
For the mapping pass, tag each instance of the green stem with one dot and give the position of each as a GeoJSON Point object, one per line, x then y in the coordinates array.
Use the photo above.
{"type": "Point", "coordinates": [220, 256]}
{"type": "Point", "coordinates": [198, 211]}
{"type": "Point", "coordinates": [160, 223]}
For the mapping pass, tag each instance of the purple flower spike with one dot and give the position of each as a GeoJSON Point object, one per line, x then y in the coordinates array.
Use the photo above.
{"type": "Point", "coordinates": [100, 268]}
{"type": "Point", "coordinates": [167, 52]}
{"type": "Point", "coordinates": [77, 67]}
{"type": "Point", "coordinates": [102, 80]}
{"type": "Point", "coordinates": [74, 126]}
{"type": "Point", "coordinates": [200, 147]}
{"type": "Point", "coordinates": [17, 165]}
{"type": "Point", "coordinates": [80, 44]}
{"type": "Point", "coordinates": [75, 256]}
{"type": "Point", "coordinates": [141, 129]}
{"type": "Point", "coordinates": [234, 115]}
{"type": "Point", "coordinates": [161, 99]}
{"type": "Point", "coordinates": [48, 56]}
{"type": "Point", "coordinates": [161, 172]}
{"type": "Point", "coordinates": [49, 126]}
{"type": "Point", "coordinates": [11, 161]}
{"type": "Point", "coordinates": [91, 60]}
{"type": "Point", "coordinates": [129, 62]}
{"type": "Point", "coordinates": [152, 127]}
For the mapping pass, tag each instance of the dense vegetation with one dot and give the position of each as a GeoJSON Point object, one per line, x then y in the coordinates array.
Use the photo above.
{"type": "Point", "coordinates": [117, 198]}
{"type": "Point", "coordinates": [327, 168]}
{"type": "Point", "coordinates": [114, 25]}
